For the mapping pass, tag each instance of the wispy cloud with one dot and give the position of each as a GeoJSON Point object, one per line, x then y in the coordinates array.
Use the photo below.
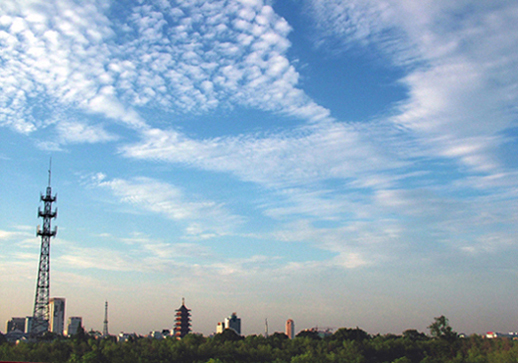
{"type": "Point", "coordinates": [302, 156]}
{"type": "Point", "coordinates": [462, 87]}
{"type": "Point", "coordinates": [77, 132]}
{"type": "Point", "coordinates": [203, 218]}
{"type": "Point", "coordinates": [21, 233]}
{"type": "Point", "coordinates": [5, 235]}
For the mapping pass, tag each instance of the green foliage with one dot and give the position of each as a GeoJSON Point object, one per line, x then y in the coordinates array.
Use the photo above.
{"type": "Point", "coordinates": [414, 335]}
{"type": "Point", "coordinates": [228, 335]}
{"type": "Point", "coordinates": [311, 334]}
{"type": "Point", "coordinates": [350, 334]}
{"type": "Point", "coordinates": [441, 329]}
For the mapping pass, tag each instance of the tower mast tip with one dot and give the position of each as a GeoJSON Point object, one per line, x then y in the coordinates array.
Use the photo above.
{"type": "Point", "coordinates": [50, 168]}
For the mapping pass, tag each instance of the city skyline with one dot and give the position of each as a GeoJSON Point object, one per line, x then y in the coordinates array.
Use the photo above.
{"type": "Point", "coordinates": [338, 163]}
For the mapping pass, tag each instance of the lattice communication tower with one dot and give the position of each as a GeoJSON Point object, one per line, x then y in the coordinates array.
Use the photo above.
{"type": "Point", "coordinates": [105, 323]}
{"type": "Point", "coordinates": [40, 320]}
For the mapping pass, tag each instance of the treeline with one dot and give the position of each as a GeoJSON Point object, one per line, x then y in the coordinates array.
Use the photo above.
{"type": "Point", "coordinates": [345, 345]}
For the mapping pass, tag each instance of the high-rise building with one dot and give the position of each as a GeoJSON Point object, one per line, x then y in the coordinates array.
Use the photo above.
{"type": "Point", "coordinates": [182, 325]}
{"type": "Point", "coordinates": [15, 324]}
{"type": "Point", "coordinates": [232, 322]}
{"type": "Point", "coordinates": [57, 315]}
{"type": "Point", "coordinates": [28, 324]}
{"type": "Point", "coordinates": [74, 324]}
{"type": "Point", "coordinates": [290, 328]}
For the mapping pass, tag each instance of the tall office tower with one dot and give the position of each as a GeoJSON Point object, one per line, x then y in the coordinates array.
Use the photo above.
{"type": "Point", "coordinates": [28, 324]}
{"type": "Point", "coordinates": [182, 325]}
{"type": "Point", "coordinates": [234, 323]}
{"type": "Point", "coordinates": [41, 302]}
{"type": "Point", "coordinates": [290, 328]}
{"type": "Point", "coordinates": [57, 315]}
{"type": "Point", "coordinates": [105, 323]}
{"type": "Point", "coordinates": [74, 324]}
{"type": "Point", "coordinates": [15, 324]}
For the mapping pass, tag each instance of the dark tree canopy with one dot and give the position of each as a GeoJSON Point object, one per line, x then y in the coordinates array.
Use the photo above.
{"type": "Point", "coordinates": [312, 334]}
{"type": "Point", "coordinates": [350, 334]}
{"type": "Point", "coordinates": [414, 335]}
{"type": "Point", "coordinates": [440, 328]}
{"type": "Point", "coordinates": [228, 335]}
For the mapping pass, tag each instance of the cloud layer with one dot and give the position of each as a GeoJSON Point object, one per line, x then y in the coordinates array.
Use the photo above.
{"type": "Point", "coordinates": [462, 87]}
{"type": "Point", "coordinates": [149, 97]}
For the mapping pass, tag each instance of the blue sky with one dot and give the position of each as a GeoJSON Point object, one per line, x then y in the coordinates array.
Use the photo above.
{"type": "Point", "coordinates": [339, 163]}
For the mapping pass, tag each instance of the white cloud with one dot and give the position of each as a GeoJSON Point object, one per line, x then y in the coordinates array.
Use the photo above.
{"type": "Point", "coordinates": [53, 58]}
{"type": "Point", "coordinates": [76, 132]}
{"type": "Point", "coordinates": [461, 82]}
{"type": "Point", "coordinates": [165, 199]}
{"type": "Point", "coordinates": [5, 235]}
{"type": "Point", "coordinates": [303, 156]}
{"type": "Point", "coordinates": [20, 234]}
{"type": "Point", "coordinates": [188, 59]}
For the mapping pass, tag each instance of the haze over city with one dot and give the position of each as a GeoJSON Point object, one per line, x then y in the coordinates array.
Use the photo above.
{"type": "Point", "coordinates": [338, 163]}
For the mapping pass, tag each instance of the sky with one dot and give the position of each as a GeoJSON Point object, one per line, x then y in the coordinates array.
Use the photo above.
{"type": "Point", "coordinates": [340, 163]}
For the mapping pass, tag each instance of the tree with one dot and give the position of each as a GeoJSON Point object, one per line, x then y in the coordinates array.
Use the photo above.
{"type": "Point", "coordinates": [414, 335]}
{"type": "Point", "coordinates": [312, 334]}
{"type": "Point", "coordinates": [356, 334]}
{"type": "Point", "coordinates": [228, 335]}
{"type": "Point", "coordinates": [440, 328]}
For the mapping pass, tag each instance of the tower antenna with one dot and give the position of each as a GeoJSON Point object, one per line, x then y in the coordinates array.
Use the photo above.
{"type": "Point", "coordinates": [40, 320]}
{"type": "Point", "coordinates": [50, 168]}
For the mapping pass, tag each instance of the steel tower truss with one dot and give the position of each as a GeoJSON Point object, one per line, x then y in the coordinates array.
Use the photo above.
{"type": "Point", "coordinates": [105, 323]}
{"type": "Point", "coordinates": [40, 319]}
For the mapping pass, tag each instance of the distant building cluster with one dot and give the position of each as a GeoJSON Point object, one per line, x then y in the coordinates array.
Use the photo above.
{"type": "Point", "coordinates": [510, 335]}
{"type": "Point", "coordinates": [21, 328]}
{"type": "Point", "coordinates": [232, 323]}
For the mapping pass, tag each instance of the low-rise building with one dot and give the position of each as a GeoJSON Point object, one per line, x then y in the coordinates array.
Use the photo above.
{"type": "Point", "coordinates": [15, 324]}
{"type": "Point", "coordinates": [74, 324]}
